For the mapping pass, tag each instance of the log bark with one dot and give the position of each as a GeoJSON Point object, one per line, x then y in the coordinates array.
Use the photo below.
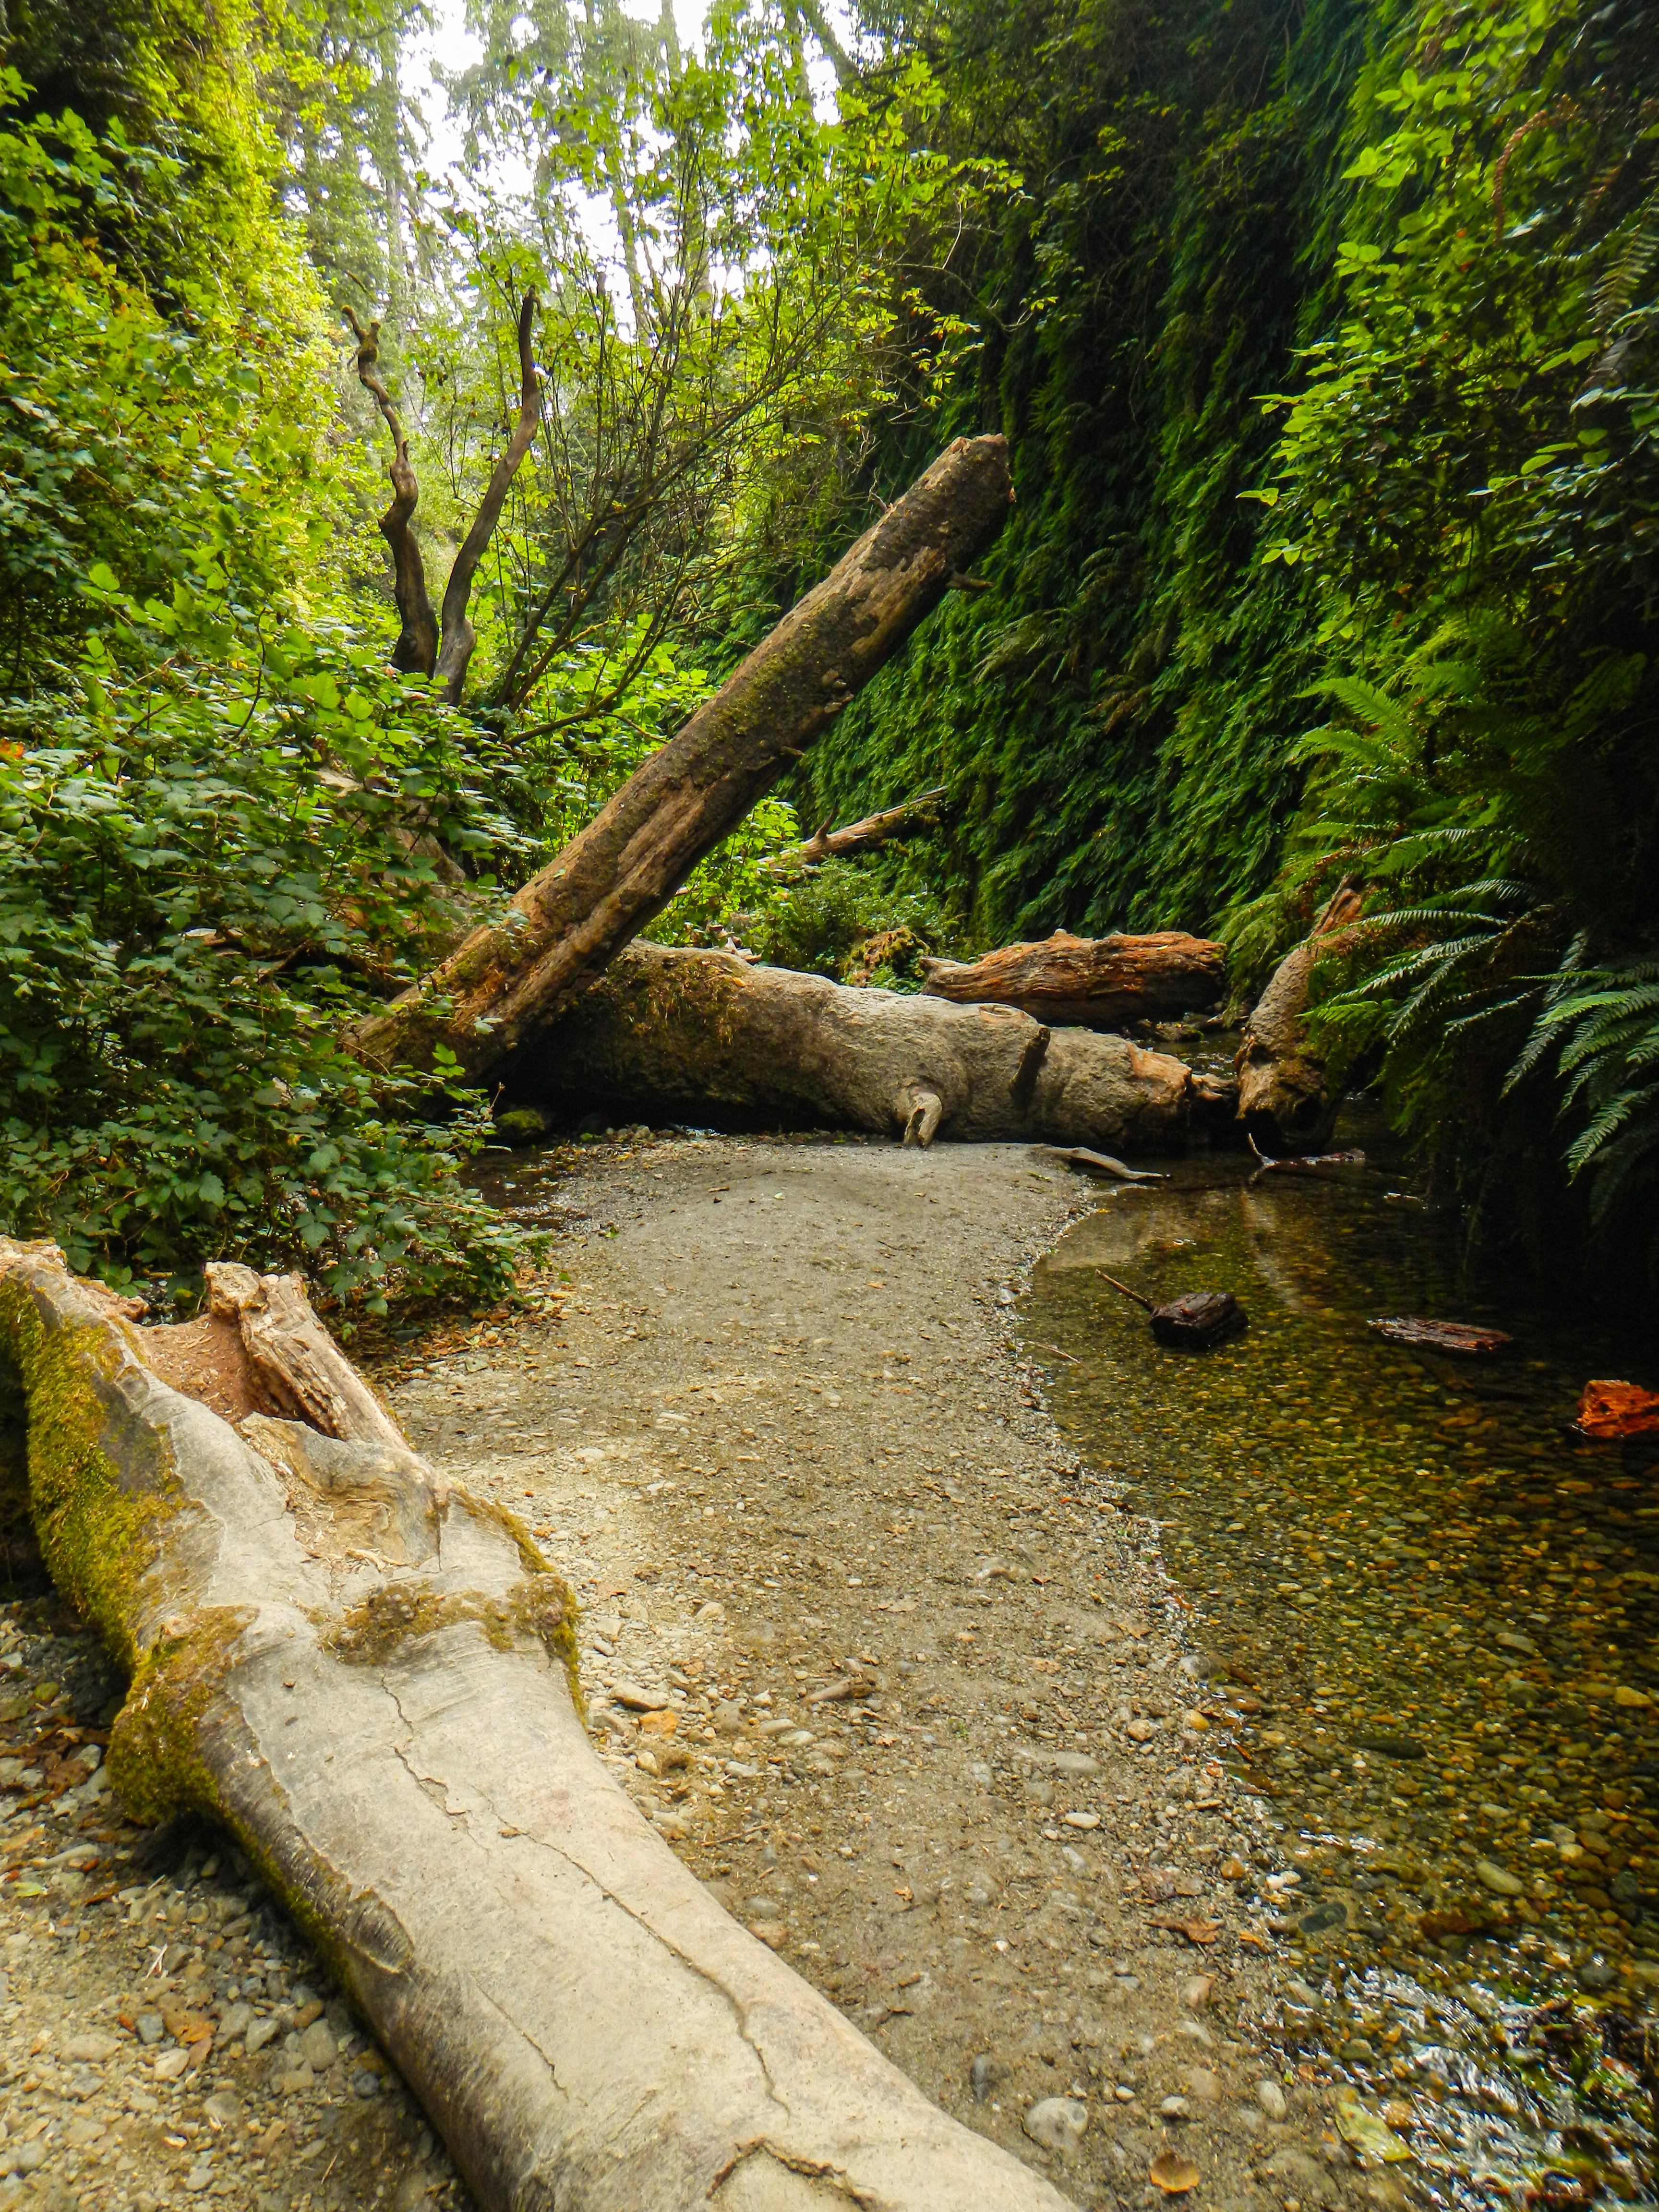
{"type": "Point", "coordinates": [416, 652]}
{"type": "Point", "coordinates": [369, 1681]}
{"type": "Point", "coordinates": [508, 979]}
{"type": "Point", "coordinates": [673, 1031]}
{"type": "Point", "coordinates": [1100, 982]}
{"type": "Point", "coordinates": [1284, 1097]}
{"type": "Point", "coordinates": [886, 828]}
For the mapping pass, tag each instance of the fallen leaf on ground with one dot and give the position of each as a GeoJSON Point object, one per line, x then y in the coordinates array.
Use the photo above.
{"type": "Point", "coordinates": [1367, 2132]}
{"type": "Point", "coordinates": [1195, 1931]}
{"type": "Point", "coordinates": [1174, 2174]}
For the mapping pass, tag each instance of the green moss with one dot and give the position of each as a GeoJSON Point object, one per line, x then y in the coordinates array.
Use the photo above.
{"type": "Point", "coordinates": [395, 1614]}
{"type": "Point", "coordinates": [100, 1534]}
{"type": "Point", "coordinates": [155, 1758]}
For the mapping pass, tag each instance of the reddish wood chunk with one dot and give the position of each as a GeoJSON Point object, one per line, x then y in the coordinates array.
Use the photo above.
{"type": "Point", "coordinates": [1618, 1409]}
{"type": "Point", "coordinates": [1091, 982]}
{"type": "Point", "coordinates": [1462, 1337]}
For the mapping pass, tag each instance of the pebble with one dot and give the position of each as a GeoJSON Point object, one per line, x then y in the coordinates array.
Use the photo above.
{"type": "Point", "coordinates": [1271, 2097]}
{"type": "Point", "coordinates": [1500, 1880]}
{"type": "Point", "coordinates": [1594, 1976]}
{"type": "Point", "coordinates": [317, 2047]}
{"type": "Point", "coordinates": [151, 2027]}
{"type": "Point", "coordinates": [262, 2033]}
{"type": "Point", "coordinates": [1205, 2086]}
{"type": "Point", "coordinates": [1195, 1994]}
{"type": "Point", "coordinates": [1176, 2108]}
{"type": "Point", "coordinates": [983, 2075]}
{"type": "Point", "coordinates": [1057, 2123]}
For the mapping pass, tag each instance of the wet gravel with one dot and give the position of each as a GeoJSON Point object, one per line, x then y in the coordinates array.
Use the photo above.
{"type": "Point", "coordinates": [1434, 1611]}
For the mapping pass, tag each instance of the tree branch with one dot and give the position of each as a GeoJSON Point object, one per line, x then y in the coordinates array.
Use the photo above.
{"type": "Point", "coordinates": [458, 635]}
{"type": "Point", "coordinates": [416, 649]}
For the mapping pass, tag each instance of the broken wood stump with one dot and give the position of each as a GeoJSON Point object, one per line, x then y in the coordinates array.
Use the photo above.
{"type": "Point", "coordinates": [1285, 1095]}
{"type": "Point", "coordinates": [1101, 982]}
{"type": "Point", "coordinates": [369, 1679]}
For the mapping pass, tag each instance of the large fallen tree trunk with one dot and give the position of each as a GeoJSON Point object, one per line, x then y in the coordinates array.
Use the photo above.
{"type": "Point", "coordinates": [1285, 1095]}
{"type": "Point", "coordinates": [505, 981]}
{"type": "Point", "coordinates": [1101, 982]}
{"type": "Point", "coordinates": [671, 1031]}
{"type": "Point", "coordinates": [369, 1679]}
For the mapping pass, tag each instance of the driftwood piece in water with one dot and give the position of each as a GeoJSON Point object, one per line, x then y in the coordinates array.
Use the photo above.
{"type": "Point", "coordinates": [675, 1031]}
{"type": "Point", "coordinates": [1463, 1338]}
{"type": "Point", "coordinates": [1284, 1092]}
{"type": "Point", "coordinates": [1192, 1322]}
{"type": "Point", "coordinates": [1614, 1410]}
{"type": "Point", "coordinates": [370, 1684]}
{"type": "Point", "coordinates": [1304, 1163]}
{"type": "Point", "coordinates": [506, 979]}
{"type": "Point", "coordinates": [1099, 981]}
{"type": "Point", "coordinates": [886, 828]}
{"type": "Point", "coordinates": [1102, 1164]}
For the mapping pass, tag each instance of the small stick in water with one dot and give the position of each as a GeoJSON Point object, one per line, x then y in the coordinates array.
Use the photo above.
{"type": "Point", "coordinates": [1146, 1303]}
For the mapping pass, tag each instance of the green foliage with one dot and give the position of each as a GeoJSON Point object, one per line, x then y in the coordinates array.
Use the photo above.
{"type": "Point", "coordinates": [848, 922]}
{"type": "Point", "coordinates": [1471, 476]}
{"type": "Point", "coordinates": [200, 861]}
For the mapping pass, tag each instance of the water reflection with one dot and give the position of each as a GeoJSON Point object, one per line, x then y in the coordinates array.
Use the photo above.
{"type": "Point", "coordinates": [1430, 1614]}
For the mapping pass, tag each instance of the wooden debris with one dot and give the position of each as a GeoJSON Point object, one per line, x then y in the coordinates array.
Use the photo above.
{"type": "Point", "coordinates": [1611, 1409]}
{"type": "Point", "coordinates": [1102, 1164]}
{"type": "Point", "coordinates": [1305, 1164]}
{"type": "Point", "coordinates": [892, 823]}
{"type": "Point", "coordinates": [1460, 1337]}
{"type": "Point", "coordinates": [1099, 982]}
{"type": "Point", "coordinates": [1193, 1322]}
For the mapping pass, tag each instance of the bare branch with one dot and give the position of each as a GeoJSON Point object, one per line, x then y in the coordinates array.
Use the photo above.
{"type": "Point", "coordinates": [458, 635]}
{"type": "Point", "coordinates": [416, 649]}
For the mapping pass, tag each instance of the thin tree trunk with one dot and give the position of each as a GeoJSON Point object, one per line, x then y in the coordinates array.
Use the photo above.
{"type": "Point", "coordinates": [885, 828]}
{"type": "Point", "coordinates": [369, 1680]}
{"type": "Point", "coordinates": [508, 979]}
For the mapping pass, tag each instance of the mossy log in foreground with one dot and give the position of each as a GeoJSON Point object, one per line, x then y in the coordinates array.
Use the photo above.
{"type": "Point", "coordinates": [369, 1679]}
{"type": "Point", "coordinates": [706, 1032]}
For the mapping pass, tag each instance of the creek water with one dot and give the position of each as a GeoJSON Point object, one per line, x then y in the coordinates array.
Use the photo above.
{"type": "Point", "coordinates": [1424, 1615]}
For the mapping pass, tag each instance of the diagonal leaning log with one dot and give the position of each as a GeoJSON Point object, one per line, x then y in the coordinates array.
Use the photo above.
{"type": "Point", "coordinates": [370, 1681]}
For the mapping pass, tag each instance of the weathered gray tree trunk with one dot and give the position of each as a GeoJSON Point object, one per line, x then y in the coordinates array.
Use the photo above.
{"type": "Point", "coordinates": [369, 1679]}
{"type": "Point", "coordinates": [506, 981]}
{"type": "Point", "coordinates": [1101, 982]}
{"type": "Point", "coordinates": [667, 1031]}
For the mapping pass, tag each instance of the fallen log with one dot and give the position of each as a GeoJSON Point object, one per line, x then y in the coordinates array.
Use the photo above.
{"type": "Point", "coordinates": [1284, 1088]}
{"type": "Point", "coordinates": [885, 828]}
{"type": "Point", "coordinates": [673, 1031]}
{"type": "Point", "coordinates": [507, 978]}
{"type": "Point", "coordinates": [1464, 1338]}
{"type": "Point", "coordinates": [370, 1681]}
{"type": "Point", "coordinates": [1100, 982]}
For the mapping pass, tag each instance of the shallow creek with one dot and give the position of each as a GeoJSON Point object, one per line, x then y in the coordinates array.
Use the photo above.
{"type": "Point", "coordinates": [1424, 1617]}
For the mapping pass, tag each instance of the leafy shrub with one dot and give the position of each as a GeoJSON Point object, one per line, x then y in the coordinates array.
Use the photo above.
{"type": "Point", "coordinates": [820, 924]}
{"type": "Point", "coordinates": [203, 864]}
